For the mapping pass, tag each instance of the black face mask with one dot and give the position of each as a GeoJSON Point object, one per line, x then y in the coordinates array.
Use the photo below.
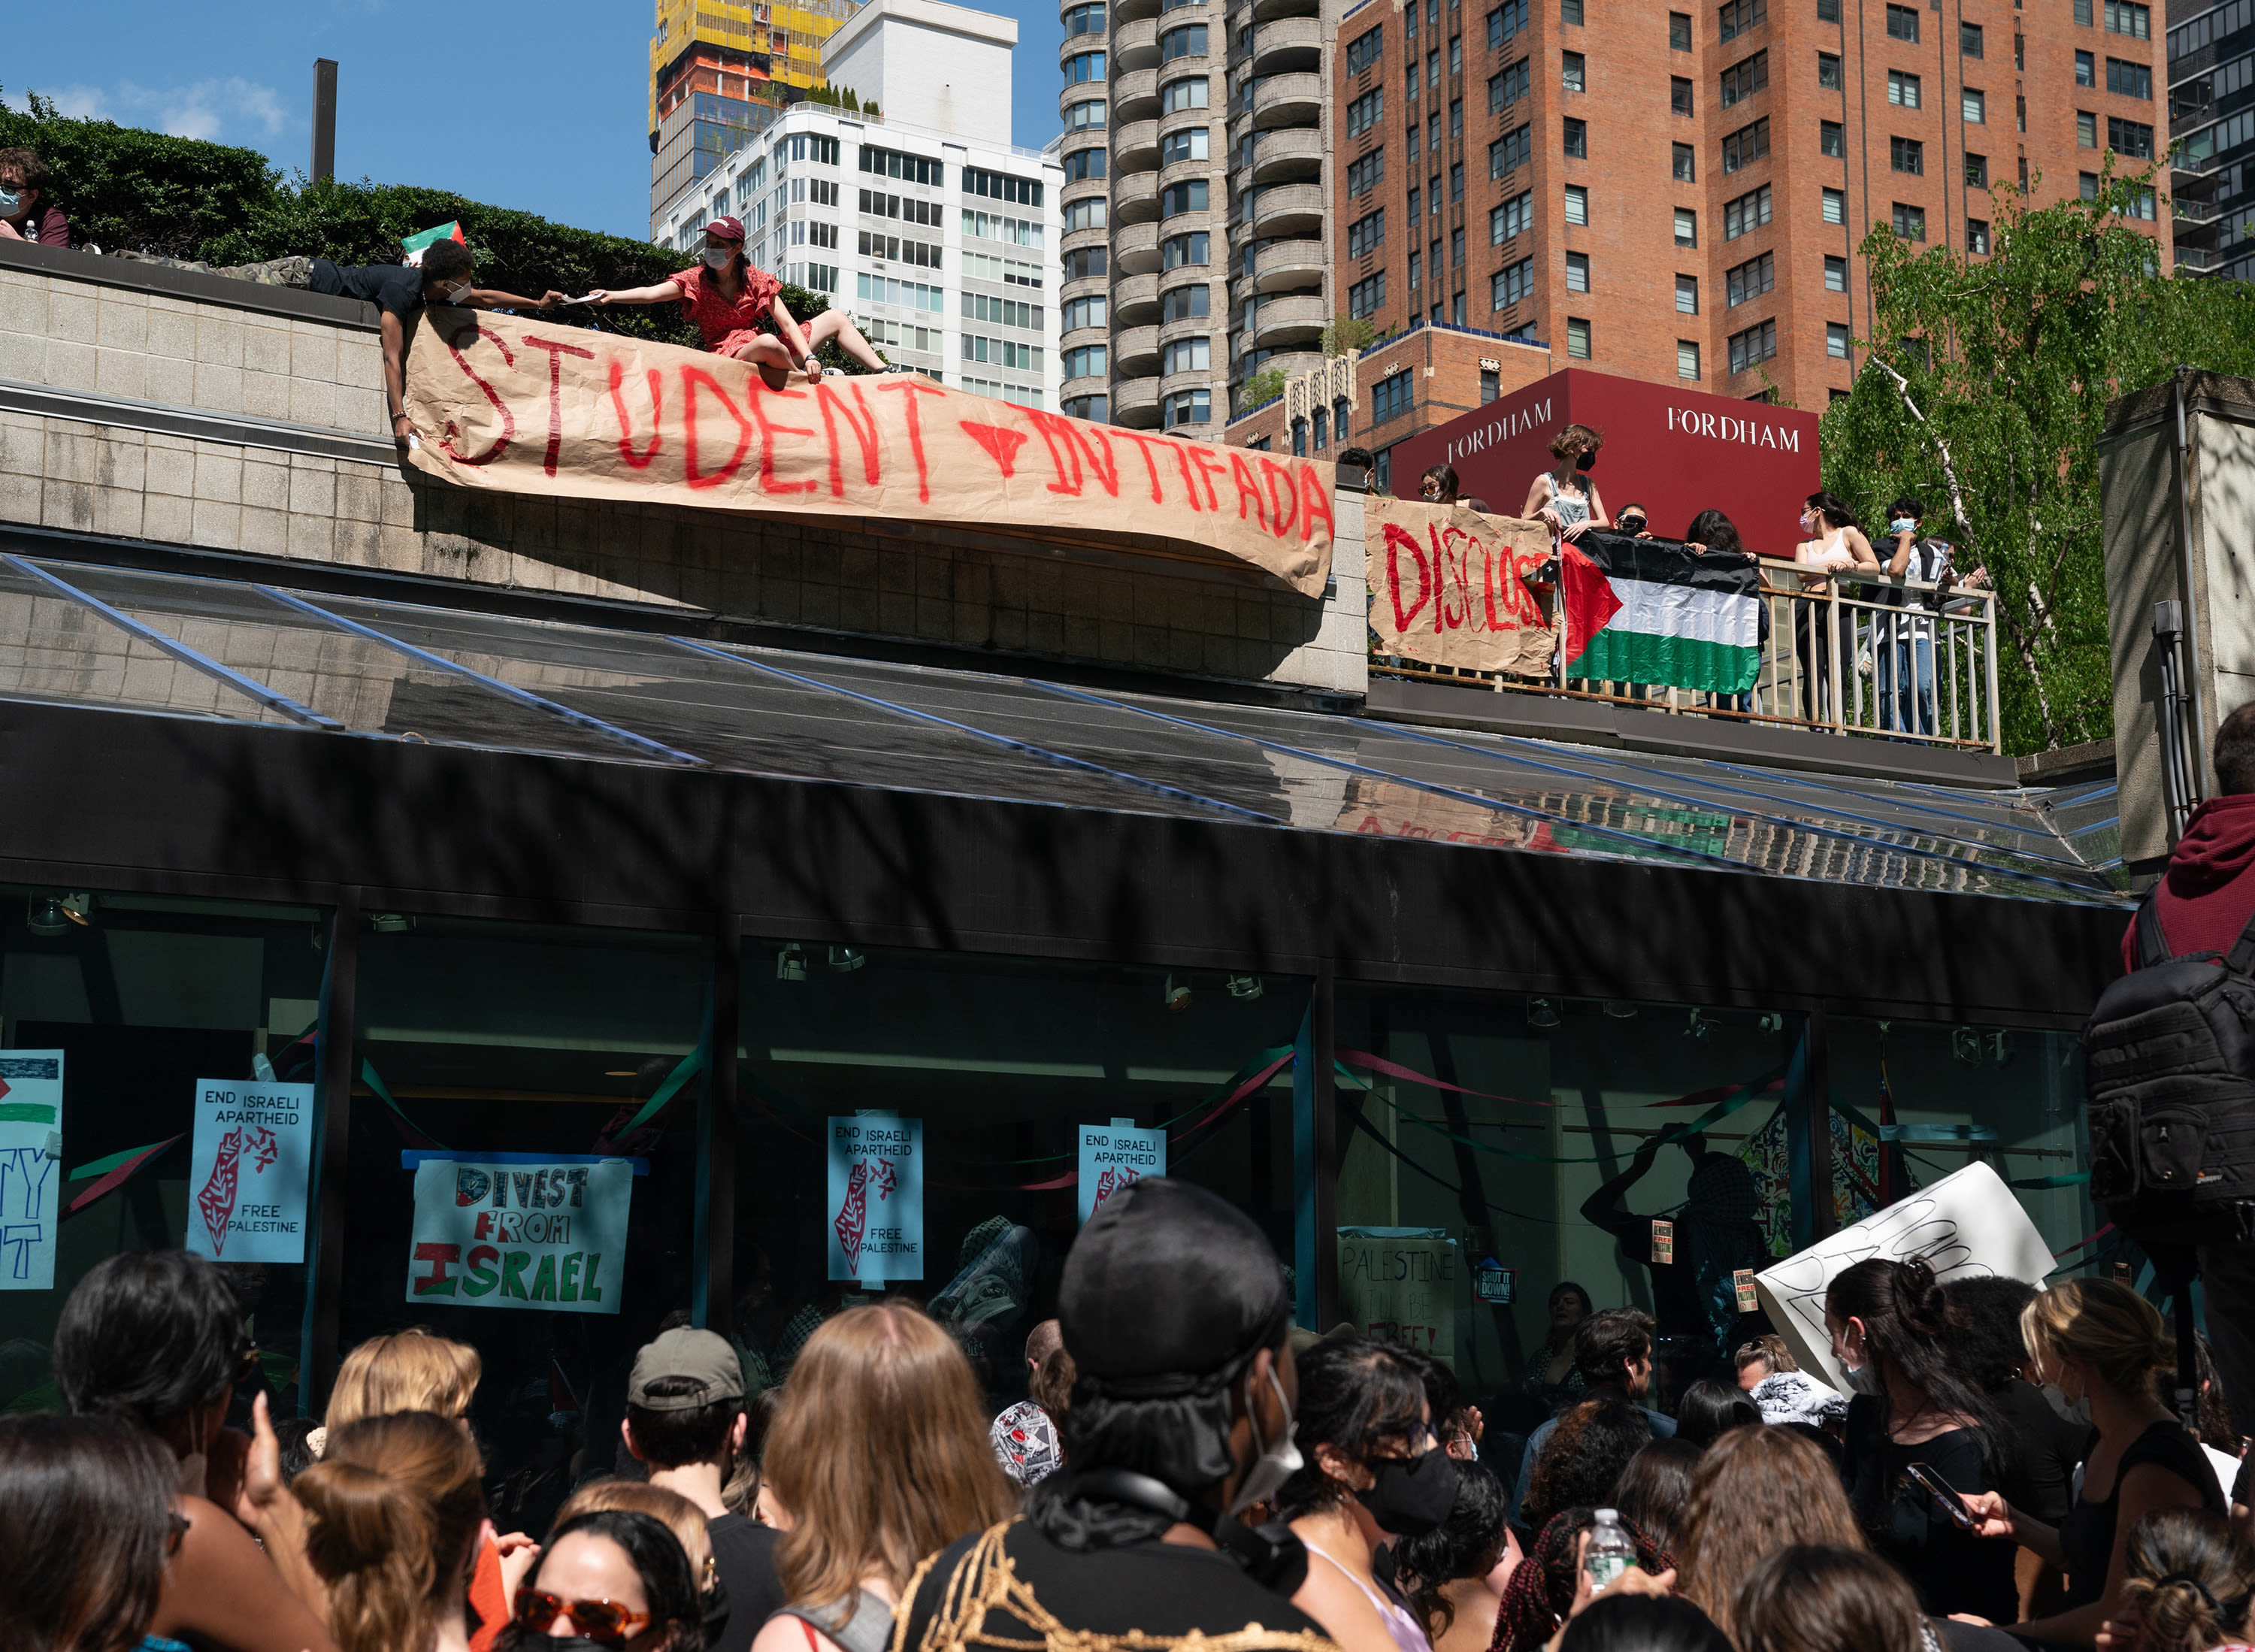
{"type": "Point", "coordinates": [1632, 524]}
{"type": "Point", "coordinates": [1413, 1494]}
{"type": "Point", "coordinates": [1587, 461]}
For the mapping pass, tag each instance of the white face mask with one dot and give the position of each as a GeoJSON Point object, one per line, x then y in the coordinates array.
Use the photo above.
{"type": "Point", "coordinates": [719, 257]}
{"type": "Point", "coordinates": [1277, 1462]}
{"type": "Point", "coordinates": [1864, 1379]}
{"type": "Point", "coordinates": [2077, 1411]}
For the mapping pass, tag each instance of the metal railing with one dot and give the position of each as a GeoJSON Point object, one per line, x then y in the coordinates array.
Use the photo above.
{"type": "Point", "coordinates": [1864, 655]}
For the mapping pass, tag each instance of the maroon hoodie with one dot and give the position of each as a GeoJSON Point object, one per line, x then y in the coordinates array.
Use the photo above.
{"type": "Point", "coordinates": [2207, 895]}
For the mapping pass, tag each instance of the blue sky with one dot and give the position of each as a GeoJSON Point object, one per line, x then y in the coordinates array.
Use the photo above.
{"type": "Point", "coordinates": [544, 110]}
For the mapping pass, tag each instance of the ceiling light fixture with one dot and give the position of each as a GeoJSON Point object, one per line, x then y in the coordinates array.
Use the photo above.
{"type": "Point", "coordinates": [1175, 998]}
{"type": "Point", "coordinates": [1541, 1013]}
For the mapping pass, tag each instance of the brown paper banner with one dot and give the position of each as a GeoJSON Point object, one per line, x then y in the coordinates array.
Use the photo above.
{"type": "Point", "coordinates": [1388, 809]}
{"type": "Point", "coordinates": [522, 405]}
{"type": "Point", "coordinates": [1448, 586]}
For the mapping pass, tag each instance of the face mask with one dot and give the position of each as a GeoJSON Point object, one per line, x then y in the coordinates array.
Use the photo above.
{"type": "Point", "coordinates": [1587, 461]}
{"type": "Point", "coordinates": [1632, 524]}
{"type": "Point", "coordinates": [1413, 1494]}
{"type": "Point", "coordinates": [1277, 1463]}
{"type": "Point", "coordinates": [458, 293]}
{"type": "Point", "coordinates": [719, 257]}
{"type": "Point", "coordinates": [1864, 1379]}
{"type": "Point", "coordinates": [10, 202]}
{"type": "Point", "coordinates": [2078, 1412]}
{"type": "Point", "coordinates": [1902, 525]}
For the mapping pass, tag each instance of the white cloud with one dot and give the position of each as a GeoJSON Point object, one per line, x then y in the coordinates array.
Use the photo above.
{"type": "Point", "coordinates": [234, 109]}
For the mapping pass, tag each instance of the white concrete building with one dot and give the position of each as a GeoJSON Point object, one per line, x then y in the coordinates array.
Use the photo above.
{"type": "Point", "coordinates": [923, 223]}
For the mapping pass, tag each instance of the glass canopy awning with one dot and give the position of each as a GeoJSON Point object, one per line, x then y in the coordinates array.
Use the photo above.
{"type": "Point", "coordinates": [180, 645]}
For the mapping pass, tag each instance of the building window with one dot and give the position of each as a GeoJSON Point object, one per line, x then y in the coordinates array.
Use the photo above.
{"type": "Point", "coordinates": [1969, 39]}
{"type": "Point", "coordinates": [1836, 206]}
{"type": "Point", "coordinates": [2086, 69]}
{"type": "Point", "coordinates": [1187, 407]}
{"type": "Point", "coordinates": [1456, 118]}
{"type": "Point", "coordinates": [1457, 309]}
{"type": "Point", "coordinates": [1504, 23]}
{"type": "Point", "coordinates": [1836, 273]}
{"type": "Point", "coordinates": [1687, 295]}
{"type": "Point", "coordinates": [1080, 312]}
{"type": "Point", "coordinates": [1757, 343]}
{"type": "Point", "coordinates": [1457, 181]}
{"type": "Point", "coordinates": [1189, 41]}
{"type": "Point", "coordinates": [1433, 67]}
{"type": "Point", "coordinates": [1083, 215]}
{"type": "Point", "coordinates": [1182, 94]}
{"type": "Point", "coordinates": [1367, 234]}
{"type": "Point", "coordinates": [2083, 13]}
{"type": "Point", "coordinates": [1743, 80]}
{"type": "Point", "coordinates": [1902, 24]}
{"type": "Point", "coordinates": [1083, 20]}
{"type": "Point", "coordinates": [1974, 105]}
{"type": "Point", "coordinates": [1188, 145]}
{"type": "Point", "coordinates": [2089, 190]}
{"type": "Point", "coordinates": [1456, 249]}
{"type": "Point", "coordinates": [1510, 151]}
{"type": "Point", "coordinates": [1828, 10]}
{"type": "Point", "coordinates": [1571, 11]}
{"type": "Point", "coordinates": [1490, 385]}
{"type": "Point", "coordinates": [1740, 15]}
{"type": "Point", "coordinates": [2140, 205]}
{"type": "Point", "coordinates": [1976, 235]}
{"type": "Point", "coordinates": [1095, 409]}
{"type": "Point", "coordinates": [1831, 139]}
{"type": "Point", "coordinates": [1828, 71]}
{"type": "Point", "coordinates": [1679, 32]}
{"type": "Point", "coordinates": [1511, 284]}
{"type": "Point", "coordinates": [2086, 129]}
{"type": "Point", "coordinates": [1745, 215]}
{"type": "Point", "coordinates": [1299, 439]}
{"type": "Point", "coordinates": [1086, 361]}
{"type": "Point", "coordinates": [1363, 50]}
{"type": "Point", "coordinates": [1190, 196]}
{"type": "Point", "coordinates": [1910, 221]}
{"type": "Point", "coordinates": [1577, 138]}
{"type": "Point", "coordinates": [1577, 78]}
{"type": "Point", "coordinates": [2130, 79]}
{"type": "Point", "coordinates": [1750, 280]}
{"type": "Point", "coordinates": [1902, 88]}
{"type": "Point", "coordinates": [1907, 155]}
{"type": "Point", "coordinates": [1577, 204]}
{"type": "Point", "coordinates": [1184, 304]}
{"type": "Point", "coordinates": [1976, 172]}
{"type": "Point", "coordinates": [1687, 226]}
{"type": "Point", "coordinates": [1417, 272]}
{"type": "Point", "coordinates": [1509, 86]}
{"type": "Point", "coordinates": [1687, 166]}
{"type": "Point", "coordinates": [1187, 355]}
{"type": "Point", "coordinates": [1178, 251]}
{"type": "Point", "coordinates": [1687, 360]}
{"type": "Point", "coordinates": [1321, 420]}
{"type": "Point", "coordinates": [1512, 217]}
{"type": "Point", "coordinates": [1577, 339]}
{"type": "Point", "coordinates": [1366, 111]}
{"type": "Point", "coordinates": [1746, 146]}
{"type": "Point", "coordinates": [1339, 420]}
{"type": "Point", "coordinates": [1392, 397]}
{"type": "Point", "coordinates": [1367, 296]}
{"type": "Point", "coordinates": [1084, 66]}
{"type": "Point", "coordinates": [1577, 273]}
{"type": "Point", "coordinates": [1679, 95]}
{"type": "Point", "coordinates": [1835, 339]}
{"type": "Point", "coordinates": [2125, 17]}
{"type": "Point", "coordinates": [1365, 172]}
{"type": "Point", "coordinates": [2133, 139]}
{"type": "Point", "coordinates": [1084, 117]}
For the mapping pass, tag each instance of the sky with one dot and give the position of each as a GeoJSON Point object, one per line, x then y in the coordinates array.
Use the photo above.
{"type": "Point", "coordinates": [546, 110]}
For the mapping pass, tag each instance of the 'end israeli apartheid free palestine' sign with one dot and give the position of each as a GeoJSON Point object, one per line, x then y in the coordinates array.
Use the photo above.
{"type": "Point", "coordinates": [248, 1170]}
{"type": "Point", "coordinates": [520, 1232]}
{"type": "Point", "coordinates": [1116, 1155]}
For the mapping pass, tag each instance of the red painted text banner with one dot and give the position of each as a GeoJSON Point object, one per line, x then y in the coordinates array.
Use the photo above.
{"type": "Point", "coordinates": [1448, 586]}
{"type": "Point", "coordinates": [520, 406]}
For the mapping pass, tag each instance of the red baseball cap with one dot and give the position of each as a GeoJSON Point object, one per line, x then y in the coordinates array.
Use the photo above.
{"type": "Point", "coordinates": [725, 229]}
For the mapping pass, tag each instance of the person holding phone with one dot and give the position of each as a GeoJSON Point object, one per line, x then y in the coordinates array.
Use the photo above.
{"type": "Point", "coordinates": [1923, 1439]}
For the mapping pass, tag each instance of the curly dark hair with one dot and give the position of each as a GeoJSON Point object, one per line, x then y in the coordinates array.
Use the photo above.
{"type": "Point", "coordinates": [1468, 1544]}
{"type": "Point", "coordinates": [1583, 1459]}
{"type": "Point", "coordinates": [1985, 1327]}
{"type": "Point", "coordinates": [1355, 1396]}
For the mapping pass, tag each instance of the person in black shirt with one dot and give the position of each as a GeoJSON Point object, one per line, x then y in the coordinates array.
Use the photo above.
{"type": "Point", "coordinates": [1174, 1311]}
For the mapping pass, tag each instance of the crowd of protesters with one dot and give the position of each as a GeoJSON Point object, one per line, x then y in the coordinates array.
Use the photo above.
{"type": "Point", "coordinates": [1191, 1468]}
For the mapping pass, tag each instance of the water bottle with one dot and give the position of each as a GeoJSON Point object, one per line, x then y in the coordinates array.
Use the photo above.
{"type": "Point", "coordinates": [1611, 1553]}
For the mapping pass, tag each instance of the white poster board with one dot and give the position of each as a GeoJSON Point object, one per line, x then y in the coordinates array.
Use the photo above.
{"type": "Point", "coordinates": [1967, 1226]}
{"type": "Point", "coordinates": [876, 1208]}
{"type": "Point", "coordinates": [1398, 1285]}
{"type": "Point", "coordinates": [1113, 1157]}
{"type": "Point", "coordinates": [248, 1170]}
{"type": "Point", "coordinates": [30, 1167]}
{"type": "Point", "coordinates": [520, 1230]}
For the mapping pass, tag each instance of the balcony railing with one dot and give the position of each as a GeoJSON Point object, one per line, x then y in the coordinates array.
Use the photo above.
{"type": "Point", "coordinates": [1864, 656]}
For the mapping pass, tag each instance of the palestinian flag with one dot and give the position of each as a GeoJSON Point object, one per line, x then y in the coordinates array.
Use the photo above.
{"type": "Point", "coordinates": [416, 244]}
{"type": "Point", "coordinates": [1652, 611]}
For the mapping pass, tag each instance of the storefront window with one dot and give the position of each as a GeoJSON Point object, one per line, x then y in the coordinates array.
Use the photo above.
{"type": "Point", "coordinates": [116, 1013]}
{"type": "Point", "coordinates": [993, 1068]}
{"type": "Point", "coordinates": [517, 1058]}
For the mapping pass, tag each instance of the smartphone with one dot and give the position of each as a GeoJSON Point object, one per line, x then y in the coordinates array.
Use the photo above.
{"type": "Point", "coordinates": [1945, 1497]}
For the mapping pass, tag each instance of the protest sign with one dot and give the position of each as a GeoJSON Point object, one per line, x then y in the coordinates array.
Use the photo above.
{"type": "Point", "coordinates": [1113, 1156]}
{"type": "Point", "coordinates": [248, 1170]}
{"type": "Point", "coordinates": [30, 1167]}
{"type": "Point", "coordinates": [520, 1230]}
{"type": "Point", "coordinates": [1967, 1226]}
{"type": "Point", "coordinates": [516, 404]}
{"type": "Point", "coordinates": [1448, 586]}
{"type": "Point", "coordinates": [1400, 1284]}
{"type": "Point", "coordinates": [876, 1199]}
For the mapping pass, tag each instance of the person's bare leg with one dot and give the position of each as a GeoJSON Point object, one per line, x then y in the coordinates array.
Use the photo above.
{"type": "Point", "coordinates": [766, 354]}
{"type": "Point", "coordinates": [836, 323]}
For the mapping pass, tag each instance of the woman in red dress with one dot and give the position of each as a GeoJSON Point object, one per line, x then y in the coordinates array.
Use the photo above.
{"type": "Point", "coordinates": [728, 297]}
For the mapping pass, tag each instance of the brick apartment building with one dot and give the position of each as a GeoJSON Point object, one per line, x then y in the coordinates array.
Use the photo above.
{"type": "Point", "coordinates": [1678, 195]}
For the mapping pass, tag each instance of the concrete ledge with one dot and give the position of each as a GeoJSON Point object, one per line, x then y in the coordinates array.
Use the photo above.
{"type": "Point", "coordinates": [240, 429]}
{"type": "Point", "coordinates": [191, 285]}
{"type": "Point", "coordinates": [1591, 723]}
{"type": "Point", "coordinates": [2069, 765]}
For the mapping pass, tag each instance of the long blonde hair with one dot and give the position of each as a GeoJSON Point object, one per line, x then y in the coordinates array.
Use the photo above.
{"type": "Point", "coordinates": [879, 1452]}
{"type": "Point", "coordinates": [409, 1370]}
{"type": "Point", "coordinates": [2101, 1324]}
{"type": "Point", "coordinates": [392, 1508]}
{"type": "Point", "coordinates": [1756, 1491]}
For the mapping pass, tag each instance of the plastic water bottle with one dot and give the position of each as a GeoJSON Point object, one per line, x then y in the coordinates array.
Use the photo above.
{"type": "Point", "coordinates": [1611, 1553]}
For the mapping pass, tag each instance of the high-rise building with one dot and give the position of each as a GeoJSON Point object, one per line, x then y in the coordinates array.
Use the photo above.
{"type": "Point", "coordinates": [923, 222]}
{"type": "Point", "coordinates": [717, 73]}
{"type": "Point", "coordinates": [2210, 53]}
{"type": "Point", "coordinates": [1679, 195]}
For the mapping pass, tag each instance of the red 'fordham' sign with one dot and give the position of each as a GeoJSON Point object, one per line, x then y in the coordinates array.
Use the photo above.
{"type": "Point", "coordinates": [1675, 451]}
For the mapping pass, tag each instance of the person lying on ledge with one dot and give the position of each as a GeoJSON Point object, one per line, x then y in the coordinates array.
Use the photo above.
{"type": "Point", "coordinates": [728, 297]}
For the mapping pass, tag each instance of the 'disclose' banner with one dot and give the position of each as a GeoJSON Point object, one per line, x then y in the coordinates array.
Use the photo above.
{"type": "Point", "coordinates": [524, 405]}
{"type": "Point", "coordinates": [1448, 586]}
{"type": "Point", "coordinates": [520, 1232]}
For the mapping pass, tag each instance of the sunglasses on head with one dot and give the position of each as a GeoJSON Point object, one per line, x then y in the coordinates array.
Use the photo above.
{"type": "Point", "coordinates": [602, 1620]}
